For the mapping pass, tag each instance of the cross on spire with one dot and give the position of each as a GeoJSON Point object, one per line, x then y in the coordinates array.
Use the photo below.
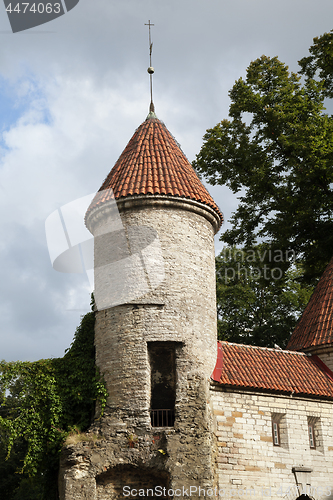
{"type": "Point", "coordinates": [150, 69]}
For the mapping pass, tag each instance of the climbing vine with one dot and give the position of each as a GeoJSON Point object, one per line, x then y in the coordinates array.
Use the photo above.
{"type": "Point", "coordinates": [40, 404]}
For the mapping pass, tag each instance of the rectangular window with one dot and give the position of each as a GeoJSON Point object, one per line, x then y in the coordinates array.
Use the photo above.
{"type": "Point", "coordinates": [276, 433]}
{"type": "Point", "coordinates": [279, 430]}
{"type": "Point", "coordinates": [162, 358]}
{"type": "Point", "coordinates": [315, 434]}
{"type": "Point", "coordinates": [312, 436]}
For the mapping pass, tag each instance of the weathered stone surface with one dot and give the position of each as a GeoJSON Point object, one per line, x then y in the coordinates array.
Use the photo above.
{"type": "Point", "coordinates": [261, 465]}
{"type": "Point", "coordinates": [180, 312]}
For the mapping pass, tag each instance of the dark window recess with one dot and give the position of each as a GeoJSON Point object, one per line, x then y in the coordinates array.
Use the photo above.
{"type": "Point", "coordinates": [162, 358]}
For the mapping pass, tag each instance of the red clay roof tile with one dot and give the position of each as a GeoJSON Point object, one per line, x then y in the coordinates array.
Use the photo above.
{"type": "Point", "coordinates": [315, 326]}
{"type": "Point", "coordinates": [262, 368]}
{"type": "Point", "coordinates": [153, 163]}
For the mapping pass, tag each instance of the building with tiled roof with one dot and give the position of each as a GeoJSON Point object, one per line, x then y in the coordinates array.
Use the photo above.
{"type": "Point", "coordinates": [259, 423]}
{"type": "Point", "coordinates": [273, 408]}
{"type": "Point", "coordinates": [153, 223]}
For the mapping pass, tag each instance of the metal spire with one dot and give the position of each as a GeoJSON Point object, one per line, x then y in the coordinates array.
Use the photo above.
{"type": "Point", "coordinates": [150, 70]}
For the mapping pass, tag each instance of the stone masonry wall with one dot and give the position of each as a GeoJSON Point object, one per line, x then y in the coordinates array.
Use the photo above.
{"type": "Point", "coordinates": [248, 461]}
{"type": "Point", "coordinates": [181, 312]}
{"type": "Point", "coordinates": [181, 309]}
{"type": "Point", "coordinates": [113, 457]}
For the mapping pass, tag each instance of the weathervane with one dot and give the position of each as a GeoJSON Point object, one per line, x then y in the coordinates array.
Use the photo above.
{"type": "Point", "coordinates": [150, 70]}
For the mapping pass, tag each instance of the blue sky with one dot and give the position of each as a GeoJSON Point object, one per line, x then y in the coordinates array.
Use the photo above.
{"type": "Point", "coordinates": [73, 91]}
{"type": "Point", "coordinates": [10, 109]}
{"type": "Point", "coordinates": [17, 97]}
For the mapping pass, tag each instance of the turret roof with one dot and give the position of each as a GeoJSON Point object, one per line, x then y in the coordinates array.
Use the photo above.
{"type": "Point", "coordinates": [153, 164]}
{"type": "Point", "coordinates": [315, 327]}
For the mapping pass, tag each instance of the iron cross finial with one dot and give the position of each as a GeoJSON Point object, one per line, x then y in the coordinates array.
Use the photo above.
{"type": "Point", "coordinates": [150, 69]}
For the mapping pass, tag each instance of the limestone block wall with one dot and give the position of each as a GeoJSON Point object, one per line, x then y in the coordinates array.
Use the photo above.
{"type": "Point", "coordinates": [181, 309]}
{"type": "Point", "coordinates": [122, 446]}
{"type": "Point", "coordinates": [248, 461]}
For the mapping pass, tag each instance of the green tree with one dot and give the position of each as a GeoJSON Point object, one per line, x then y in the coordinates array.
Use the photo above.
{"type": "Point", "coordinates": [276, 149]}
{"type": "Point", "coordinates": [41, 403]}
{"type": "Point", "coordinates": [320, 62]}
{"type": "Point", "coordinates": [257, 303]}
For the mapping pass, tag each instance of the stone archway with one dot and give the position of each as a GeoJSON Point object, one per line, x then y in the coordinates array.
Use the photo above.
{"type": "Point", "coordinates": [125, 481]}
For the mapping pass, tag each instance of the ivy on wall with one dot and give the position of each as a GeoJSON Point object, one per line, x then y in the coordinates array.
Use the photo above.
{"type": "Point", "coordinates": [41, 403]}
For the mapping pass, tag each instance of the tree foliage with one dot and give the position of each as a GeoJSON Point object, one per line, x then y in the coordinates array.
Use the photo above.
{"type": "Point", "coordinates": [41, 403]}
{"type": "Point", "coordinates": [257, 303]}
{"type": "Point", "coordinates": [320, 62]}
{"type": "Point", "coordinates": [276, 150]}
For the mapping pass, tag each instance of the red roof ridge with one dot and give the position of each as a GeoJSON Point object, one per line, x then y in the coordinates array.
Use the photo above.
{"type": "Point", "coordinates": [285, 351]}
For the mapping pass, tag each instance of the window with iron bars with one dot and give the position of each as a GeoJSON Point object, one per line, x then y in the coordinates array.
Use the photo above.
{"type": "Point", "coordinates": [162, 418]}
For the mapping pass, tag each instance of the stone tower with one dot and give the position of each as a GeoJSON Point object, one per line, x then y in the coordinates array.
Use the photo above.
{"type": "Point", "coordinates": [153, 224]}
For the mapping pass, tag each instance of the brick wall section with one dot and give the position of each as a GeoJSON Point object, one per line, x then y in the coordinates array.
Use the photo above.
{"type": "Point", "coordinates": [247, 458]}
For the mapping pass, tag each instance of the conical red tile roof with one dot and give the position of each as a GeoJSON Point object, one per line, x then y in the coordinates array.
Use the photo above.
{"type": "Point", "coordinates": [315, 326]}
{"type": "Point", "coordinates": [153, 164]}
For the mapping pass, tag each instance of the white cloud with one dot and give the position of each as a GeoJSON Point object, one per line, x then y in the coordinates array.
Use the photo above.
{"type": "Point", "coordinates": [80, 92]}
